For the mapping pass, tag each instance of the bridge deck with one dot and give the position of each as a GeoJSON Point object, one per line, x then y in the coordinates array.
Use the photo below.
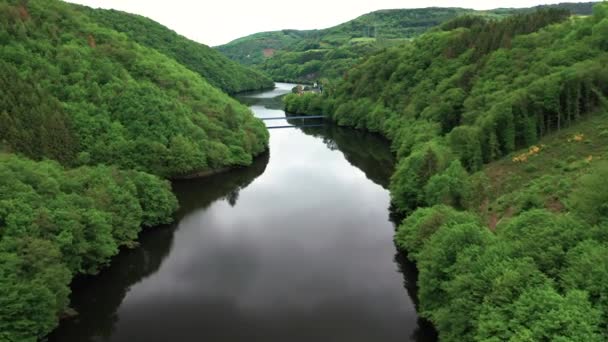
{"type": "Point", "coordinates": [294, 117]}
{"type": "Point", "coordinates": [293, 126]}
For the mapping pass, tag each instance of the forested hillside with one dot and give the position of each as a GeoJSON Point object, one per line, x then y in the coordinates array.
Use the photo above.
{"type": "Point", "coordinates": [56, 223]}
{"type": "Point", "coordinates": [306, 56]}
{"type": "Point", "coordinates": [230, 76]}
{"type": "Point", "coordinates": [84, 94]}
{"type": "Point", "coordinates": [292, 55]}
{"type": "Point", "coordinates": [515, 250]}
{"type": "Point", "coordinates": [85, 112]}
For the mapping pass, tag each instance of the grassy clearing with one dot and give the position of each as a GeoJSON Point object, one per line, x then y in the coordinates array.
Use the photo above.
{"type": "Point", "coordinates": [544, 175]}
{"type": "Point", "coordinates": [362, 39]}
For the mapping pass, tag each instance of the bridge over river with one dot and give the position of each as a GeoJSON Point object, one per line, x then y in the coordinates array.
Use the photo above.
{"type": "Point", "coordinates": [301, 117]}
{"type": "Point", "coordinates": [294, 117]}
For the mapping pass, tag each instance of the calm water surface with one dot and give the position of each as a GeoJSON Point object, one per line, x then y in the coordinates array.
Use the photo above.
{"type": "Point", "coordinates": [297, 247]}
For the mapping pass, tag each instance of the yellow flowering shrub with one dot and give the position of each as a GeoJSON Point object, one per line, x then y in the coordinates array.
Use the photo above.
{"type": "Point", "coordinates": [522, 158]}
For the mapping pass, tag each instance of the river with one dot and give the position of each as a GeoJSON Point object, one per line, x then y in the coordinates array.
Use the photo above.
{"type": "Point", "coordinates": [297, 247]}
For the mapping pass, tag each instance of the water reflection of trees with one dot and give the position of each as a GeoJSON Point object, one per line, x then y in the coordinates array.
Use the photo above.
{"type": "Point", "coordinates": [366, 151]}
{"type": "Point", "coordinates": [195, 194]}
{"type": "Point", "coordinates": [425, 332]}
{"type": "Point", "coordinates": [371, 154]}
{"type": "Point", "coordinates": [267, 102]}
{"type": "Point", "coordinates": [98, 298]}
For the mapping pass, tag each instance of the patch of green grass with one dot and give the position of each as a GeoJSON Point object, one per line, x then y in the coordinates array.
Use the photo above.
{"type": "Point", "coordinates": [547, 178]}
{"type": "Point", "coordinates": [363, 39]}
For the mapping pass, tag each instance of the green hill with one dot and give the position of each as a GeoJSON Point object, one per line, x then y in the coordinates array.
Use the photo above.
{"type": "Point", "coordinates": [82, 93]}
{"type": "Point", "coordinates": [504, 250]}
{"type": "Point", "coordinates": [305, 56]}
{"type": "Point", "coordinates": [56, 223]}
{"type": "Point", "coordinates": [87, 115]}
{"type": "Point", "coordinates": [218, 70]}
{"type": "Point", "coordinates": [293, 55]}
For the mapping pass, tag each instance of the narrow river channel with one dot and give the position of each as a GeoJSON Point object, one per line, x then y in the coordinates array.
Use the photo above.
{"type": "Point", "coordinates": [297, 247]}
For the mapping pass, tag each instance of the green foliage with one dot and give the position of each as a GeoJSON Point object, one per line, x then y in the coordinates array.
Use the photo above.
{"type": "Point", "coordinates": [306, 56]}
{"type": "Point", "coordinates": [99, 97]}
{"type": "Point", "coordinates": [450, 187]}
{"type": "Point", "coordinates": [56, 223]}
{"type": "Point", "coordinates": [155, 198]}
{"type": "Point", "coordinates": [482, 275]}
{"type": "Point", "coordinates": [253, 49]}
{"type": "Point", "coordinates": [463, 81]}
{"type": "Point", "coordinates": [466, 143]}
{"type": "Point", "coordinates": [539, 193]}
{"type": "Point", "coordinates": [590, 199]}
{"type": "Point", "coordinates": [541, 314]}
{"type": "Point", "coordinates": [413, 173]}
{"type": "Point", "coordinates": [439, 255]}
{"type": "Point", "coordinates": [308, 103]}
{"type": "Point", "coordinates": [587, 269]}
{"type": "Point", "coordinates": [217, 69]}
{"type": "Point", "coordinates": [416, 229]}
{"type": "Point", "coordinates": [33, 287]}
{"type": "Point", "coordinates": [31, 120]}
{"type": "Point", "coordinates": [475, 285]}
{"type": "Point", "coordinates": [545, 237]}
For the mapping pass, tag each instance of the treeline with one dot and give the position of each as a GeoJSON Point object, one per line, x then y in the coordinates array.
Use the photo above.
{"type": "Point", "coordinates": [307, 103]}
{"type": "Point", "coordinates": [306, 56]}
{"type": "Point", "coordinates": [311, 65]}
{"type": "Point", "coordinates": [329, 53]}
{"type": "Point", "coordinates": [216, 68]}
{"type": "Point", "coordinates": [56, 223]}
{"type": "Point", "coordinates": [84, 94]}
{"type": "Point", "coordinates": [470, 93]}
{"type": "Point", "coordinates": [254, 49]}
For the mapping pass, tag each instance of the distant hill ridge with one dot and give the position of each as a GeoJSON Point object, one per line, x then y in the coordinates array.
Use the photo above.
{"type": "Point", "coordinates": [218, 70]}
{"type": "Point", "coordinates": [307, 55]}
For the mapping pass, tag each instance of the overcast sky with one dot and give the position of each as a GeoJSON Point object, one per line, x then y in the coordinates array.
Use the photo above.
{"type": "Point", "coordinates": [215, 22]}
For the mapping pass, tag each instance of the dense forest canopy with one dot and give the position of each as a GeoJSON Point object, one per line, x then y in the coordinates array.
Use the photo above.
{"type": "Point", "coordinates": [216, 68]}
{"type": "Point", "coordinates": [100, 97]}
{"type": "Point", "coordinates": [307, 56]}
{"type": "Point", "coordinates": [56, 223]}
{"type": "Point", "coordinates": [515, 250]}
{"type": "Point", "coordinates": [293, 55]}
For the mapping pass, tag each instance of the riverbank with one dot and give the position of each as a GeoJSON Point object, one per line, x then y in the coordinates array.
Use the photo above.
{"type": "Point", "coordinates": [209, 173]}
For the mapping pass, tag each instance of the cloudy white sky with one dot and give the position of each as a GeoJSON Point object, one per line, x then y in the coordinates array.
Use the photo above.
{"type": "Point", "coordinates": [215, 22]}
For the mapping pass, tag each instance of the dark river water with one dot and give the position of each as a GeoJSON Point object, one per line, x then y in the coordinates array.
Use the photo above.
{"type": "Point", "coordinates": [297, 247]}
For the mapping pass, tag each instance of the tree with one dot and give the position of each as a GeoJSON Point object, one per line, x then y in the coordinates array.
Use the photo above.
{"type": "Point", "coordinates": [450, 187]}
{"type": "Point", "coordinates": [466, 143]}
{"type": "Point", "coordinates": [541, 314]}
{"type": "Point", "coordinates": [587, 269]}
{"type": "Point", "coordinates": [545, 237]}
{"type": "Point", "coordinates": [415, 231]}
{"type": "Point", "coordinates": [590, 200]}
{"type": "Point", "coordinates": [437, 258]}
{"type": "Point", "coordinates": [484, 276]}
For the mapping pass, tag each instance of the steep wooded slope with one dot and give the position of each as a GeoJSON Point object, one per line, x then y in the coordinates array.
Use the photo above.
{"type": "Point", "coordinates": [305, 56]}
{"type": "Point", "coordinates": [85, 94]}
{"type": "Point", "coordinates": [222, 72]}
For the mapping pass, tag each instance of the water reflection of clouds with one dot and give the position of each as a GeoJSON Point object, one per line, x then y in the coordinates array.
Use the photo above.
{"type": "Point", "coordinates": [280, 89]}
